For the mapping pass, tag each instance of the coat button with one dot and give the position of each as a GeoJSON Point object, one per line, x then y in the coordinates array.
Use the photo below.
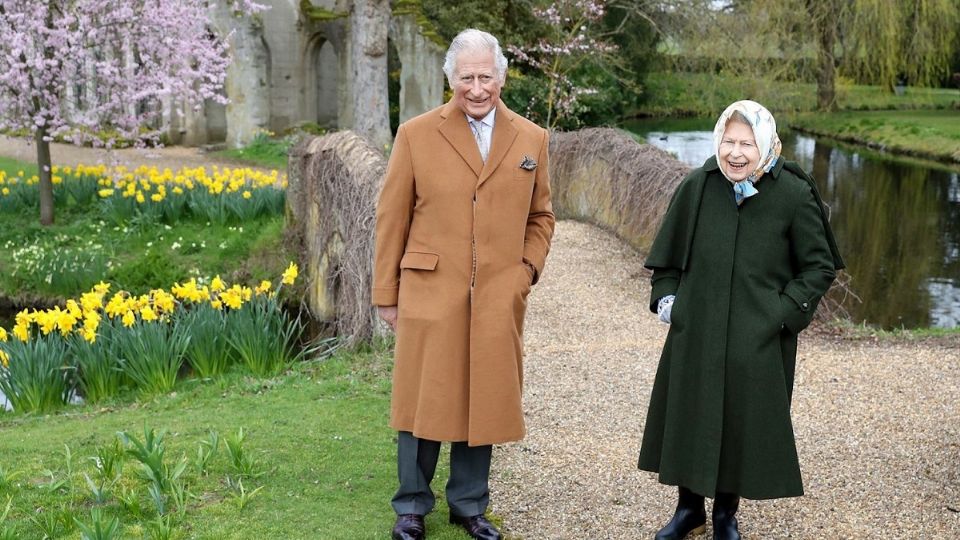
{"type": "Point", "coordinates": [805, 306]}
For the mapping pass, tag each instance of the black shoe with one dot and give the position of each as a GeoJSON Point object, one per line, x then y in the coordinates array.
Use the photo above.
{"type": "Point", "coordinates": [477, 527]}
{"type": "Point", "coordinates": [409, 527]}
{"type": "Point", "coordinates": [724, 521]}
{"type": "Point", "coordinates": [690, 517]}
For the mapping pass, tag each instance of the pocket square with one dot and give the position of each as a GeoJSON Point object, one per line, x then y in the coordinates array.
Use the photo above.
{"type": "Point", "coordinates": [528, 163]}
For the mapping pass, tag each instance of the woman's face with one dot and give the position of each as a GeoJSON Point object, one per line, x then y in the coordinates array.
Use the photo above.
{"type": "Point", "coordinates": [739, 154]}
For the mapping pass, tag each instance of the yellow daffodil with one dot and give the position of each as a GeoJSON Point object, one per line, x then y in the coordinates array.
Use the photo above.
{"type": "Point", "coordinates": [5, 191]}
{"type": "Point", "coordinates": [264, 287]}
{"type": "Point", "coordinates": [89, 335]}
{"type": "Point", "coordinates": [216, 304]}
{"type": "Point", "coordinates": [104, 193]}
{"type": "Point", "coordinates": [232, 298]}
{"type": "Point", "coordinates": [117, 305]}
{"type": "Point", "coordinates": [290, 274]}
{"type": "Point", "coordinates": [24, 317]}
{"type": "Point", "coordinates": [22, 331]}
{"type": "Point", "coordinates": [74, 309]}
{"type": "Point", "coordinates": [140, 197]}
{"type": "Point", "coordinates": [128, 319]}
{"type": "Point", "coordinates": [147, 313]}
{"type": "Point", "coordinates": [163, 301]}
{"type": "Point", "coordinates": [3, 334]}
{"type": "Point", "coordinates": [46, 320]}
{"type": "Point", "coordinates": [91, 301]}
{"type": "Point", "coordinates": [217, 284]}
{"type": "Point", "coordinates": [247, 195]}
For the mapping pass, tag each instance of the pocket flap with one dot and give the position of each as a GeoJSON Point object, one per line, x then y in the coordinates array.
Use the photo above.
{"type": "Point", "coordinates": [419, 261]}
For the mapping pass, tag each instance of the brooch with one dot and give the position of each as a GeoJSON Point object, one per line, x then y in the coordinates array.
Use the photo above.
{"type": "Point", "coordinates": [528, 163]}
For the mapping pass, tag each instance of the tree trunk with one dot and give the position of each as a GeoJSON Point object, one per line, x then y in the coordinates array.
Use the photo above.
{"type": "Point", "coordinates": [369, 25]}
{"type": "Point", "coordinates": [45, 172]}
{"type": "Point", "coordinates": [826, 68]}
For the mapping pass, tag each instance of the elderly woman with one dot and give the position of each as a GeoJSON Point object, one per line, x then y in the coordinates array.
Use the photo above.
{"type": "Point", "coordinates": [741, 260]}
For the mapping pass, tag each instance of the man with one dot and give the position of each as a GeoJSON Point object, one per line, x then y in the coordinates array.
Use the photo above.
{"type": "Point", "coordinates": [463, 229]}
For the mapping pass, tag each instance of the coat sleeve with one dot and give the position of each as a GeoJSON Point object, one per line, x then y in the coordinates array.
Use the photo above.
{"type": "Point", "coordinates": [540, 219]}
{"type": "Point", "coordinates": [394, 215]}
{"type": "Point", "coordinates": [813, 265]}
{"type": "Point", "coordinates": [670, 250]}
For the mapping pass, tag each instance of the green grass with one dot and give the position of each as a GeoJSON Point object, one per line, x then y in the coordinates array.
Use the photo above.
{"type": "Point", "coordinates": [12, 167]}
{"type": "Point", "coordinates": [863, 331]}
{"type": "Point", "coordinates": [699, 94]}
{"type": "Point", "coordinates": [319, 432]}
{"type": "Point", "coordinates": [931, 134]}
{"type": "Point", "coordinates": [134, 258]}
{"type": "Point", "coordinates": [264, 151]}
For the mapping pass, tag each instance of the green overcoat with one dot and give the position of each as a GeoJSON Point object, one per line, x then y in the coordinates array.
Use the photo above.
{"type": "Point", "coordinates": [747, 280]}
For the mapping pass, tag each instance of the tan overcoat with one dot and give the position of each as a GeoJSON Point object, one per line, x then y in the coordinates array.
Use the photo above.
{"type": "Point", "coordinates": [453, 235]}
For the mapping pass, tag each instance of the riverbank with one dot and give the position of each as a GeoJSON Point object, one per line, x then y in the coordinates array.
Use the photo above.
{"type": "Point", "coordinates": [670, 94]}
{"type": "Point", "coordinates": [928, 134]}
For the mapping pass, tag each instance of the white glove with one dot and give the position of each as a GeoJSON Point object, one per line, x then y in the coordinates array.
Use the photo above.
{"type": "Point", "coordinates": [664, 307]}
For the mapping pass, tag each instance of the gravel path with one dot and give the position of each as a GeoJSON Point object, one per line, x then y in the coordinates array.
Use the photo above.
{"type": "Point", "coordinates": [877, 424]}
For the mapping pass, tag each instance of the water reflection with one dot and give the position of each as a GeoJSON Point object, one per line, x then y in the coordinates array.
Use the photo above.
{"type": "Point", "coordinates": [897, 223]}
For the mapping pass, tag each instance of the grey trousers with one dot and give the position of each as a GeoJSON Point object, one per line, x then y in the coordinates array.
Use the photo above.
{"type": "Point", "coordinates": [468, 492]}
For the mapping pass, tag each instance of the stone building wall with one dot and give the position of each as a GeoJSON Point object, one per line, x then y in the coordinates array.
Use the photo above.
{"type": "Point", "coordinates": [289, 70]}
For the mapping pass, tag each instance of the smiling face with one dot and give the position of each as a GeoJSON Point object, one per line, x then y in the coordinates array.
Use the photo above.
{"type": "Point", "coordinates": [739, 154]}
{"type": "Point", "coordinates": [476, 86]}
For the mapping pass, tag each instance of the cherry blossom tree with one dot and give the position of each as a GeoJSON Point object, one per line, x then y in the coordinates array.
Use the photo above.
{"type": "Point", "coordinates": [80, 68]}
{"type": "Point", "coordinates": [573, 38]}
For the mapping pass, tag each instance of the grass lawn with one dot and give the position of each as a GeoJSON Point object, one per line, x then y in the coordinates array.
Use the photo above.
{"type": "Point", "coordinates": [934, 134]}
{"type": "Point", "coordinates": [319, 435]}
{"type": "Point", "coordinates": [700, 94]}
{"type": "Point", "coordinates": [262, 152]}
{"type": "Point", "coordinates": [13, 167]}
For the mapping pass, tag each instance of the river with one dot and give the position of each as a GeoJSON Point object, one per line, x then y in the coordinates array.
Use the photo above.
{"type": "Point", "coordinates": [897, 221]}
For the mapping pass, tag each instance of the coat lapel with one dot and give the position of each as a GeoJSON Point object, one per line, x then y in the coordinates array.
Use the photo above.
{"type": "Point", "coordinates": [504, 133]}
{"type": "Point", "coordinates": [456, 131]}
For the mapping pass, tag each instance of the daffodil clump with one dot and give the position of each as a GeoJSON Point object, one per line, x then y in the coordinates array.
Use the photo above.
{"type": "Point", "coordinates": [103, 334]}
{"type": "Point", "coordinates": [121, 193]}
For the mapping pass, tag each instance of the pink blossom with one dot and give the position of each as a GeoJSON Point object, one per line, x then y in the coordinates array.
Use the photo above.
{"type": "Point", "coordinates": [106, 64]}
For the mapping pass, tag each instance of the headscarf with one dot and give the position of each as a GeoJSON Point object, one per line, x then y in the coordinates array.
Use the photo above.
{"type": "Point", "coordinates": [764, 132]}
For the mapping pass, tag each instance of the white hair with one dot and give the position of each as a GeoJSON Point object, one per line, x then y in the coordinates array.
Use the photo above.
{"type": "Point", "coordinates": [472, 40]}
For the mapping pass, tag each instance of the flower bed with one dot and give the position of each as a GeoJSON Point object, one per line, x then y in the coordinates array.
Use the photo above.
{"type": "Point", "coordinates": [95, 346]}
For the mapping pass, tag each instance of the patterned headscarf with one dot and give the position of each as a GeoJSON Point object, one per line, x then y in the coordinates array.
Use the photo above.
{"type": "Point", "coordinates": [765, 133]}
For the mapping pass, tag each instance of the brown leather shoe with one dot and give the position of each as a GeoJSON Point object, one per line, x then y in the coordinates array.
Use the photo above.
{"type": "Point", "coordinates": [409, 527]}
{"type": "Point", "coordinates": [477, 527]}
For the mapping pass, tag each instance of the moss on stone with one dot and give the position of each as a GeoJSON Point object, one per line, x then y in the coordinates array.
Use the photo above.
{"type": "Point", "coordinates": [319, 14]}
{"type": "Point", "coordinates": [427, 28]}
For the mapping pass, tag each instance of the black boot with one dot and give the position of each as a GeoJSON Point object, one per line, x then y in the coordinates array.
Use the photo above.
{"type": "Point", "coordinates": [724, 517]}
{"type": "Point", "coordinates": [690, 518]}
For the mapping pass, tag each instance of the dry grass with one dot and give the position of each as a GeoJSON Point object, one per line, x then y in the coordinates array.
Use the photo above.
{"type": "Point", "coordinates": [334, 184]}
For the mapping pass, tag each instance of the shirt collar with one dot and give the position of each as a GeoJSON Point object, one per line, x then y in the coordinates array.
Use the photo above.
{"type": "Point", "coordinates": [488, 120]}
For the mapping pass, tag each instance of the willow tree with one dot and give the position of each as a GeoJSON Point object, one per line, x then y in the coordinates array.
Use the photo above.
{"type": "Point", "coordinates": [868, 41]}
{"type": "Point", "coordinates": [881, 42]}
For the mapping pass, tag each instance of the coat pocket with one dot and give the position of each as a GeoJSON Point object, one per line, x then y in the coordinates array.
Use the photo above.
{"type": "Point", "coordinates": [419, 261]}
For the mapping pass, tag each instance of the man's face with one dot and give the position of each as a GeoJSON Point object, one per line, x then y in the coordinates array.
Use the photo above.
{"type": "Point", "coordinates": [476, 86]}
